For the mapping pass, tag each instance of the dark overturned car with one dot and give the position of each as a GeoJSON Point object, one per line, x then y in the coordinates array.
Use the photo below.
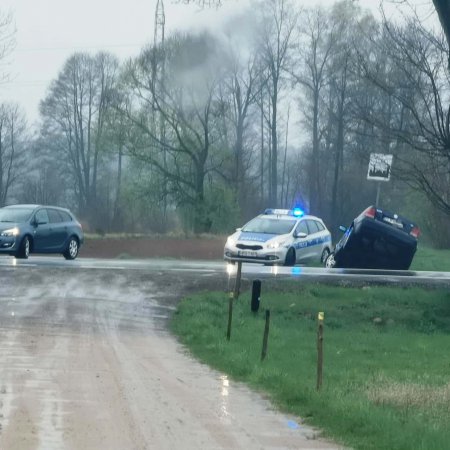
{"type": "Point", "coordinates": [376, 239]}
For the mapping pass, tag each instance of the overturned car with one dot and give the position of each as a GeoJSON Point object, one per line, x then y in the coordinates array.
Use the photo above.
{"type": "Point", "coordinates": [376, 239]}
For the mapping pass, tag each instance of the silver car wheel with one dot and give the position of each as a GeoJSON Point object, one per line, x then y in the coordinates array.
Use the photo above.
{"type": "Point", "coordinates": [72, 249]}
{"type": "Point", "coordinates": [26, 249]}
{"type": "Point", "coordinates": [330, 262]}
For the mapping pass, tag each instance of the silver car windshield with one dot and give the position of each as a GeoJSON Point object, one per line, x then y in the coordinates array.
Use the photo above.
{"type": "Point", "coordinates": [15, 215]}
{"type": "Point", "coordinates": [269, 226]}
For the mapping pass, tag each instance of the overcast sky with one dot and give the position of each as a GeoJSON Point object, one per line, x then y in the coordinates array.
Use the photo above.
{"type": "Point", "coordinates": [49, 31]}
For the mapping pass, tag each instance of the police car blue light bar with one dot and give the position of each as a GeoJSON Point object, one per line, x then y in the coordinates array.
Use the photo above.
{"type": "Point", "coordinates": [296, 212]}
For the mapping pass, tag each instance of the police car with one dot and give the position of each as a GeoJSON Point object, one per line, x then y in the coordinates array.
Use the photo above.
{"type": "Point", "coordinates": [280, 236]}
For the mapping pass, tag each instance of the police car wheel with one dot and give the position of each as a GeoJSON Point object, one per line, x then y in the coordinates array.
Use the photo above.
{"type": "Point", "coordinates": [325, 255]}
{"type": "Point", "coordinates": [330, 261]}
{"type": "Point", "coordinates": [290, 257]}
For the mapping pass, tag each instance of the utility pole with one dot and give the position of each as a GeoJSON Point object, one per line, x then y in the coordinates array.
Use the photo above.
{"type": "Point", "coordinates": [158, 80]}
{"type": "Point", "coordinates": [160, 22]}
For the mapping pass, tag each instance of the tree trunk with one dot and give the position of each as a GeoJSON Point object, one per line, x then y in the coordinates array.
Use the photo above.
{"type": "Point", "coordinates": [339, 156]}
{"type": "Point", "coordinates": [274, 156]}
{"type": "Point", "coordinates": [314, 172]}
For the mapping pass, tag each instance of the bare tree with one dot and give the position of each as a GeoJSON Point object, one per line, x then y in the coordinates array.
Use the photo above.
{"type": "Point", "coordinates": [47, 180]}
{"type": "Point", "coordinates": [418, 129]}
{"type": "Point", "coordinates": [243, 87]}
{"type": "Point", "coordinates": [351, 26]}
{"type": "Point", "coordinates": [314, 53]}
{"type": "Point", "coordinates": [279, 21]}
{"type": "Point", "coordinates": [188, 103]}
{"type": "Point", "coordinates": [7, 42]}
{"type": "Point", "coordinates": [12, 137]}
{"type": "Point", "coordinates": [76, 108]}
{"type": "Point", "coordinates": [443, 10]}
{"type": "Point", "coordinates": [202, 3]}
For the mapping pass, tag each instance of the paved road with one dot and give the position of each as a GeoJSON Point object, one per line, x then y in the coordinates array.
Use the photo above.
{"type": "Point", "coordinates": [86, 363]}
{"type": "Point", "coordinates": [249, 271]}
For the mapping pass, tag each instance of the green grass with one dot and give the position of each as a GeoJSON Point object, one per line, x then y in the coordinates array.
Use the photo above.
{"type": "Point", "coordinates": [431, 260]}
{"type": "Point", "coordinates": [386, 358]}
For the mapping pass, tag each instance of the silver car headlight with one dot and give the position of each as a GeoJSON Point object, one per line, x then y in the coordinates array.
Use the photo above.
{"type": "Point", "coordinates": [275, 245]}
{"type": "Point", "coordinates": [10, 232]}
{"type": "Point", "coordinates": [231, 241]}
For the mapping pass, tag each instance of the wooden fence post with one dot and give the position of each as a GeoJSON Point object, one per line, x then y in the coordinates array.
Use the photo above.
{"type": "Point", "coordinates": [230, 315]}
{"type": "Point", "coordinates": [237, 284]}
{"type": "Point", "coordinates": [319, 350]}
{"type": "Point", "coordinates": [266, 335]}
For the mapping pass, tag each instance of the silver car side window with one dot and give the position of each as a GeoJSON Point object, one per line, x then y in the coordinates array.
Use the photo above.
{"type": "Point", "coordinates": [54, 216]}
{"type": "Point", "coordinates": [42, 216]}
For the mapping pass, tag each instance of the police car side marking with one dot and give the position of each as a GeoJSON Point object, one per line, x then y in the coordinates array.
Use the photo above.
{"type": "Point", "coordinates": [311, 242]}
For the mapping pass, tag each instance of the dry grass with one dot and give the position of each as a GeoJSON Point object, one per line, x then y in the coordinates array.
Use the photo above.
{"type": "Point", "coordinates": [411, 395]}
{"type": "Point", "coordinates": [173, 234]}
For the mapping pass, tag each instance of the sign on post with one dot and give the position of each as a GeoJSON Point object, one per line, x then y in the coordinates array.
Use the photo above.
{"type": "Point", "coordinates": [380, 166]}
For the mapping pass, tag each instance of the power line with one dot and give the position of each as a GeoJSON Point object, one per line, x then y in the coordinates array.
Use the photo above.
{"type": "Point", "coordinates": [30, 83]}
{"type": "Point", "coordinates": [76, 48]}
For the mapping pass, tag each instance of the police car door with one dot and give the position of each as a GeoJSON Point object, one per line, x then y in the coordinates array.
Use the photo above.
{"type": "Point", "coordinates": [301, 241]}
{"type": "Point", "coordinates": [314, 243]}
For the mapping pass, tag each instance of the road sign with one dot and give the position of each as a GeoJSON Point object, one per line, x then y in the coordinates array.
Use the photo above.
{"type": "Point", "coordinates": [379, 167]}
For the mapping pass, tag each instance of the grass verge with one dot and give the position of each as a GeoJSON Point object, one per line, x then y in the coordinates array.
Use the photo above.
{"type": "Point", "coordinates": [386, 364]}
{"type": "Point", "coordinates": [430, 259]}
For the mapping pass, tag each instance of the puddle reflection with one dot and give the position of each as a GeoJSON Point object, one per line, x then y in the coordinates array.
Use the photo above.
{"type": "Point", "coordinates": [225, 384]}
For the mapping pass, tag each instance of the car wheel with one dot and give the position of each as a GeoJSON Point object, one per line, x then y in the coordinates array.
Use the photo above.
{"type": "Point", "coordinates": [290, 257]}
{"type": "Point", "coordinates": [325, 255]}
{"type": "Point", "coordinates": [330, 262]}
{"type": "Point", "coordinates": [72, 249]}
{"type": "Point", "coordinates": [24, 248]}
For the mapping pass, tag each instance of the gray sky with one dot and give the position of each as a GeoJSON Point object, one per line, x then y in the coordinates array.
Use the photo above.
{"type": "Point", "coordinates": [49, 31]}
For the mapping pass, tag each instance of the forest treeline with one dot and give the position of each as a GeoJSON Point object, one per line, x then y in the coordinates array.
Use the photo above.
{"type": "Point", "coordinates": [279, 108]}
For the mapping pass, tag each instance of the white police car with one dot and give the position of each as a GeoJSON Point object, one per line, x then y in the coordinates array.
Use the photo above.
{"type": "Point", "coordinates": [280, 236]}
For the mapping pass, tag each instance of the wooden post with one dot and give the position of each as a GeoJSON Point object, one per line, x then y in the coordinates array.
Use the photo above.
{"type": "Point", "coordinates": [319, 350]}
{"type": "Point", "coordinates": [230, 315]}
{"type": "Point", "coordinates": [256, 295]}
{"type": "Point", "coordinates": [237, 285]}
{"type": "Point", "coordinates": [266, 335]}
{"type": "Point", "coordinates": [378, 195]}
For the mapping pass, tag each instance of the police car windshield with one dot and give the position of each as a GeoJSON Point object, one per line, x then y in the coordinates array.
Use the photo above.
{"type": "Point", "coordinates": [269, 226]}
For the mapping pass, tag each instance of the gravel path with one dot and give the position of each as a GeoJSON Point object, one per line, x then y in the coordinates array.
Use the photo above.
{"type": "Point", "coordinates": [86, 362]}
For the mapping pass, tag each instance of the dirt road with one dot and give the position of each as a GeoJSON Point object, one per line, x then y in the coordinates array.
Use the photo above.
{"type": "Point", "coordinates": [154, 247]}
{"type": "Point", "coordinates": [86, 362]}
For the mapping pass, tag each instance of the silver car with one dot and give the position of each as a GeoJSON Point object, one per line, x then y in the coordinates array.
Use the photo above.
{"type": "Point", "coordinates": [280, 236]}
{"type": "Point", "coordinates": [26, 229]}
